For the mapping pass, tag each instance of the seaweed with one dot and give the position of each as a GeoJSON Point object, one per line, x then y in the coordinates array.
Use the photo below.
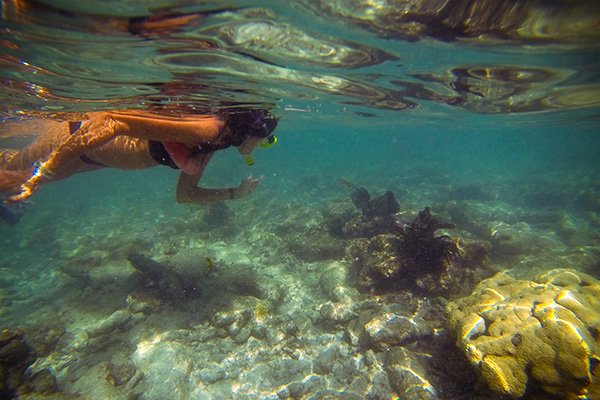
{"type": "Point", "coordinates": [413, 257]}
{"type": "Point", "coordinates": [419, 243]}
{"type": "Point", "coordinates": [392, 255]}
{"type": "Point", "coordinates": [380, 206]}
{"type": "Point", "coordinates": [377, 214]}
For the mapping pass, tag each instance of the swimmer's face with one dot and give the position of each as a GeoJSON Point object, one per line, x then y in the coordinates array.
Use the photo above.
{"type": "Point", "coordinates": [249, 144]}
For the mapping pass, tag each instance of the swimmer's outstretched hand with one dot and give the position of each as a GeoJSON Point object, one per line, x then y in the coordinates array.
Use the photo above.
{"type": "Point", "coordinates": [26, 192]}
{"type": "Point", "coordinates": [27, 189]}
{"type": "Point", "coordinates": [246, 187]}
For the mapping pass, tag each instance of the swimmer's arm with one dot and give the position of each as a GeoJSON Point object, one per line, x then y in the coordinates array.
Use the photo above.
{"type": "Point", "coordinates": [188, 190]}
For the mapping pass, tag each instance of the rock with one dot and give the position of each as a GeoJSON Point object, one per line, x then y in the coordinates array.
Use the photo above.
{"type": "Point", "coordinates": [166, 367]}
{"type": "Point", "coordinates": [352, 333]}
{"type": "Point", "coordinates": [290, 330]}
{"type": "Point", "coordinates": [243, 335]}
{"type": "Point", "coordinates": [43, 382]}
{"type": "Point", "coordinates": [333, 278]}
{"type": "Point", "coordinates": [16, 356]}
{"type": "Point", "coordinates": [117, 320]}
{"type": "Point", "coordinates": [259, 331]}
{"type": "Point", "coordinates": [316, 244]}
{"type": "Point", "coordinates": [510, 240]}
{"type": "Point", "coordinates": [278, 371]}
{"type": "Point", "coordinates": [326, 359]}
{"type": "Point", "coordinates": [380, 387]}
{"type": "Point", "coordinates": [239, 323]}
{"type": "Point", "coordinates": [334, 314]}
{"type": "Point", "coordinates": [44, 336]}
{"type": "Point", "coordinates": [223, 319]}
{"type": "Point", "coordinates": [136, 305]}
{"type": "Point", "coordinates": [295, 389]}
{"type": "Point", "coordinates": [390, 329]}
{"type": "Point", "coordinates": [516, 332]}
{"type": "Point", "coordinates": [15, 353]}
{"type": "Point", "coordinates": [211, 373]}
{"type": "Point", "coordinates": [120, 369]}
{"type": "Point", "coordinates": [407, 375]}
{"type": "Point", "coordinates": [314, 383]}
{"type": "Point", "coordinates": [344, 371]}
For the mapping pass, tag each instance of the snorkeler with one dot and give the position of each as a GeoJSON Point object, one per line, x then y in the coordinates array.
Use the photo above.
{"type": "Point", "coordinates": [137, 140]}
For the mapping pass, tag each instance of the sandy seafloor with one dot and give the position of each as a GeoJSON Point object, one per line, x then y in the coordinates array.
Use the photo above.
{"type": "Point", "coordinates": [270, 307]}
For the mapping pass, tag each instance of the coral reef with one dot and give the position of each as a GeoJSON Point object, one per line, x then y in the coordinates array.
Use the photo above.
{"type": "Point", "coordinates": [424, 249]}
{"type": "Point", "coordinates": [392, 255]}
{"type": "Point", "coordinates": [15, 358]}
{"type": "Point", "coordinates": [391, 332]}
{"type": "Point", "coordinates": [269, 307]}
{"type": "Point", "coordinates": [377, 214]}
{"type": "Point", "coordinates": [412, 258]}
{"type": "Point", "coordinates": [544, 333]}
{"type": "Point", "coordinates": [381, 206]}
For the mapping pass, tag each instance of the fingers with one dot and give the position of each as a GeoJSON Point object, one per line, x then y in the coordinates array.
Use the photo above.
{"type": "Point", "coordinates": [27, 189]}
{"type": "Point", "coordinates": [250, 181]}
{"type": "Point", "coordinates": [26, 193]}
{"type": "Point", "coordinates": [247, 185]}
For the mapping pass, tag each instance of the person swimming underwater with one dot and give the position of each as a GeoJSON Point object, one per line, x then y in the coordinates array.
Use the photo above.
{"type": "Point", "coordinates": [128, 139]}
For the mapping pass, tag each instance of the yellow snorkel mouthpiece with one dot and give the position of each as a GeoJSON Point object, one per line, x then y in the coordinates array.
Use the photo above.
{"type": "Point", "coordinates": [268, 142]}
{"type": "Point", "coordinates": [249, 160]}
{"type": "Point", "coordinates": [271, 140]}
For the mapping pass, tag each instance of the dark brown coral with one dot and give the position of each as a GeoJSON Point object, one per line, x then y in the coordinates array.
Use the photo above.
{"type": "Point", "coordinates": [413, 258]}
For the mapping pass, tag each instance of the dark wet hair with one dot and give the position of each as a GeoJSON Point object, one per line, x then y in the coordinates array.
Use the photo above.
{"type": "Point", "coordinates": [240, 125]}
{"type": "Point", "coordinates": [252, 122]}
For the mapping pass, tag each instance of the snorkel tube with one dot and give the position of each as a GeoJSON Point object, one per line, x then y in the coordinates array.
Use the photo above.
{"type": "Point", "coordinates": [256, 123]}
{"type": "Point", "coordinates": [267, 143]}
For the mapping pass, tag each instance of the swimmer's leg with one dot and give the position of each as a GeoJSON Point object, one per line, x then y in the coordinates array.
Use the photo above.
{"type": "Point", "coordinates": [8, 216]}
{"type": "Point", "coordinates": [11, 214]}
{"type": "Point", "coordinates": [92, 134]}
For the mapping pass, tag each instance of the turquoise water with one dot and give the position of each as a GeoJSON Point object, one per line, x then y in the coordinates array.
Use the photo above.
{"type": "Point", "coordinates": [489, 119]}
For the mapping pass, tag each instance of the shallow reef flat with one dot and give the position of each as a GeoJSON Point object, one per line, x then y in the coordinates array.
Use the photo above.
{"type": "Point", "coordinates": [298, 294]}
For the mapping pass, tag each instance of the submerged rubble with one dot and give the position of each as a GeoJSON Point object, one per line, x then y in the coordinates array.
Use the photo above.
{"type": "Point", "coordinates": [350, 302]}
{"type": "Point", "coordinates": [16, 356]}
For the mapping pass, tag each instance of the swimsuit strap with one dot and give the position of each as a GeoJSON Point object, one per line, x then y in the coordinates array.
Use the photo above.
{"type": "Point", "coordinates": [160, 154]}
{"type": "Point", "coordinates": [74, 127]}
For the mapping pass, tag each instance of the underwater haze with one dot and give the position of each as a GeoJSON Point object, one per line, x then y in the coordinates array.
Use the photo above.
{"type": "Point", "coordinates": [425, 226]}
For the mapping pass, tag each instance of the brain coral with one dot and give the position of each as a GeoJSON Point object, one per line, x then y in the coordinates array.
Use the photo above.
{"type": "Point", "coordinates": [546, 331]}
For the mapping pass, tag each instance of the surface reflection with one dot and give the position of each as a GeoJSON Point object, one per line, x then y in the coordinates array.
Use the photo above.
{"type": "Point", "coordinates": [203, 56]}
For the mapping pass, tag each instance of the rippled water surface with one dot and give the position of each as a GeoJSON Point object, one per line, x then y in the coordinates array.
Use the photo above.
{"type": "Point", "coordinates": [362, 57]}
{"type": "Point", "coordinates": [485, 112]}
